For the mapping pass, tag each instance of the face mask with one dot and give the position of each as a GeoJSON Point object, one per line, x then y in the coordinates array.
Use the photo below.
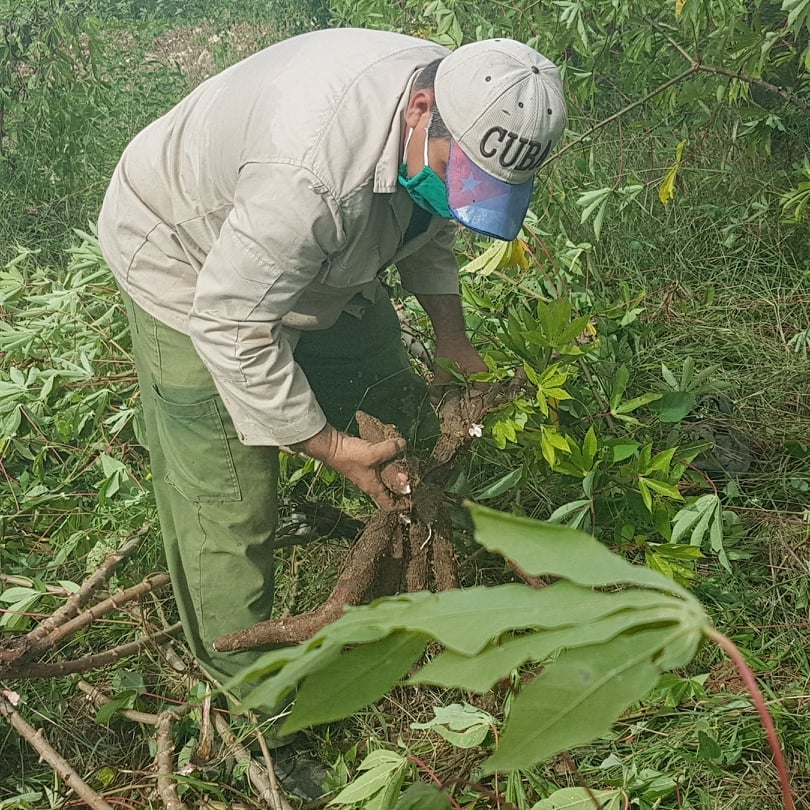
{"type": "Point", "coordinates": [425, 188]}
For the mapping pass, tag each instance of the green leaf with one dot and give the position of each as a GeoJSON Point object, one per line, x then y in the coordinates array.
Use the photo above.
{"type": "Point", "coordinates": [622, 449]}
{"type": "Point", "coordinates": [465, 621]}
{"type": "Point", "coordinates": [662, 488]}
{"type": "Point", "coordinates": [491, 259]}
{"type": "Point", "coordinates": [123, 700]}
{"type": "Point", "coordinates": [504, 484]}
{"type": "Point", "coordinates": [358, 677]}
{"type": "Point", "coordinates": [462, 726]}
{"type": "Point", "coordinates": [622, 378]}
{"type": "Point", "coordinates": [674, 406]}
{"type": "Point", "coordinates": [589, 447]}
{"type": "Point", "coordinates": [669, 377]}
{"type": "Point", "coordinates": [480, 672]}
{"type": "Point", "coordinates": [579, 697]}
{"type": "Point", "coordinates": [581, 799]}
{"type": "Point", "coordinates": [547, 549]}
{"type": "Point", "coordinates": [646, 494]}
{"type": "Point", "coordinates": [420, 796]}
{"type": "Point", "coordinates": [637, 402]}
{"type": "Point", "coordinates": [560, 514]}
{"type": "Point", "coordinates": [294, 663]}
{"type": "Point", "coordinates": [381, 767]}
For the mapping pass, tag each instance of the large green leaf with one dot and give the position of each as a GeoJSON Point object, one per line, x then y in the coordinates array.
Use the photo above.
{"type": "Point", "coordinates": [466, 620]}
{"type": "Point", "coordinates": [358, 677]}
{"type": "Point", "coordinates": [578, 697]}
{"type": "Point", "coordinates": [549, 549]}
{"type": "Point", "coordinates": [480, 672]}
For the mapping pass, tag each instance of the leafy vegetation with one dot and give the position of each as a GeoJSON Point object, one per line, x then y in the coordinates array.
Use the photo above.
{"type": "Point", "coordinates": [657, 303]}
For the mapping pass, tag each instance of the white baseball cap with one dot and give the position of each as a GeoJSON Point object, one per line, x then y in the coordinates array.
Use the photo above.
{"type": "Point", "coordinates": [503, 104]}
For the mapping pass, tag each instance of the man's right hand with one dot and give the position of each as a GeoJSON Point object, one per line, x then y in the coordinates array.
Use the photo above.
{"type": "Point", "coordinates": [360, 461]}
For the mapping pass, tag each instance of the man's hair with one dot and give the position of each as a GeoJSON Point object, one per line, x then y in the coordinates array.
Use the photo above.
{"type": "Point", "coordinates": [424, 81]}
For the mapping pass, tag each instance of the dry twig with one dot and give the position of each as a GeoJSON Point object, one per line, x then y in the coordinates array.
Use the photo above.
{"type": "Point", "coordinates": [164, 760]}
{"type": "Point", "coordinates": [36, 739]}
{"type": "Point", "coordinates": [89, 662]}
{"type": "Point", "coordinates": [79, 599]}
{"type": "Point", "coordinates": [258, 775]}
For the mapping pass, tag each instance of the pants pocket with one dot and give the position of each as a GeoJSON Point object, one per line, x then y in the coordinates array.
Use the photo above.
{"type": "Point", "coordinates": [195, 444]}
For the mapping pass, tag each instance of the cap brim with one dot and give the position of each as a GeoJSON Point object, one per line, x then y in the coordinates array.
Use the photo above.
{"type": "Point", "coordinates": [483, 203]}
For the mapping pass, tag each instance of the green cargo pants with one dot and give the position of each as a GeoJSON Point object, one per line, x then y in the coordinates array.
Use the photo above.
{"type": "Point", "coordinates": [217, 499]}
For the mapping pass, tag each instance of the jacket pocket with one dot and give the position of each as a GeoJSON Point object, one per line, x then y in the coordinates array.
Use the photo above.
{"type": "Point", "coordinates": [199, 463]}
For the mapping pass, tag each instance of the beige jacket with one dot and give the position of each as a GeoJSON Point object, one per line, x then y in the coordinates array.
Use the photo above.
{"type": "Point", "coordinates": [264, 202]}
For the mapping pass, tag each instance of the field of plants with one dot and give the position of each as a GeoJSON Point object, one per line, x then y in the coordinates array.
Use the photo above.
{"type": "Point", "coordinates": [631, 523]}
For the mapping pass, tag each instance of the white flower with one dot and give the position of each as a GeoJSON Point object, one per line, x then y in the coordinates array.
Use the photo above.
{"type": "Point", "coordinates": [476, 431]}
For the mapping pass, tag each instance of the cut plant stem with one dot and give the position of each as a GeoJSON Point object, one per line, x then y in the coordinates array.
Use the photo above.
{"type": "Point", "coordinates": [750, 681]}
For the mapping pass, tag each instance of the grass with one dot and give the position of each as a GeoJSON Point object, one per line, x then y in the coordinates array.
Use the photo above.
{"type": "Point", "coordinates": [719, 279]}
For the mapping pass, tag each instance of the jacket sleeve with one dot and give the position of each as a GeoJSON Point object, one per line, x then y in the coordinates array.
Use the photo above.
{"type": "Point", "coordinates": [282, 227]}
{"type": "Point", "coordinates": [433, 269]}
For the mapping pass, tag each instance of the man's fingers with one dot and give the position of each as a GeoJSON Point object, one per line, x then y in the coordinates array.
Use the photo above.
{"type": "Point", "coordinates": [385, 451]}
{"type": "Point", "coordinates": [384, 500]}
{"type": "Point", "coordinates": [395, 477]}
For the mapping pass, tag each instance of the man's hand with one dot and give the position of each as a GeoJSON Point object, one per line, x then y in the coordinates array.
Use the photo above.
{"type": "Point", "coordinates": [452, 342]}
{"type": "Point", "coordinates": [463, 354]}
{"type": "Point", "coordinates": [360, 461]}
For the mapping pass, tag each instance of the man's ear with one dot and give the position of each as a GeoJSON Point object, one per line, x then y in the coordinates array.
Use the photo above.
{"type": "Point", "coordinates": [420, 103]}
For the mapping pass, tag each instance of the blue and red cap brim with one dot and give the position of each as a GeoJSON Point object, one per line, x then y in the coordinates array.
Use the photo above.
{"type": "Point", "coordinates": [484, 203]}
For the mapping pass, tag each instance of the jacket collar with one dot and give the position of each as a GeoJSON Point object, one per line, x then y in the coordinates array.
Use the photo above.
{"type": "Point", "coordinates": [387, 169]}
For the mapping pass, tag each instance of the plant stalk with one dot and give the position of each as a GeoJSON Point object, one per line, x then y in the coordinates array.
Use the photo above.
{"type": "Point", "coordinates": [750, 681]}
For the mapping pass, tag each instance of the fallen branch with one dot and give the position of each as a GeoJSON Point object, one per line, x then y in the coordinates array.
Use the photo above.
{"type": "Point", "coordinates": [19, 650]}
{"type": "Point", "coordinates": [164, 760]}
{"type": "Point", "coordinates": [36, 739]}
{"type": "Point", "coordinates": [80, 598]}
{"type": "Point", "coordinates": [89, 662]}
{"type": "Point", "coordinates": [256, 773]}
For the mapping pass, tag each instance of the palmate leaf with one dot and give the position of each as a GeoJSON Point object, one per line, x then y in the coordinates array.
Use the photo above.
{"type": "Point", "coordinates": [480, 672]}
{"type": "Point", "coordinates": [548, 549]}
{"type": "Point", "coordinates": [579, 697]}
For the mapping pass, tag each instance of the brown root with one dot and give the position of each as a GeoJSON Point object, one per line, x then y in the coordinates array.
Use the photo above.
{"type": "Point", "coordinates": [404, 551]}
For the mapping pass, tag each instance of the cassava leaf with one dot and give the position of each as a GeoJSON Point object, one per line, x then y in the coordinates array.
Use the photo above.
{"type": "Point", "coordinates": [578, 697]}
{"type": "Point", "coordinates": [480, 672]}
{"type": "Point", "coordinates": [358, 677]}
{"type": "Point", "coordinates": [421, 796]}
{"type": "Point", "coordinates": [546, 548]}
{"type": "Point", "coordinates": [462, 726]}
{"type": "Point", "coordinates": [674, 406]}
{"type": "Point", "coordinates": [379, 768]}
{"type": "Point", "coordinates": [504, 484]}
{"type": "Point", "coordinates": [285, 672]}
{"type": "Point", "coordinates": [579, 798]}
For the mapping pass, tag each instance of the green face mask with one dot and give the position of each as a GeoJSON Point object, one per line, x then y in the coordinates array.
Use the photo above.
{"type": "Point", "coordinates": [425, 188]}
